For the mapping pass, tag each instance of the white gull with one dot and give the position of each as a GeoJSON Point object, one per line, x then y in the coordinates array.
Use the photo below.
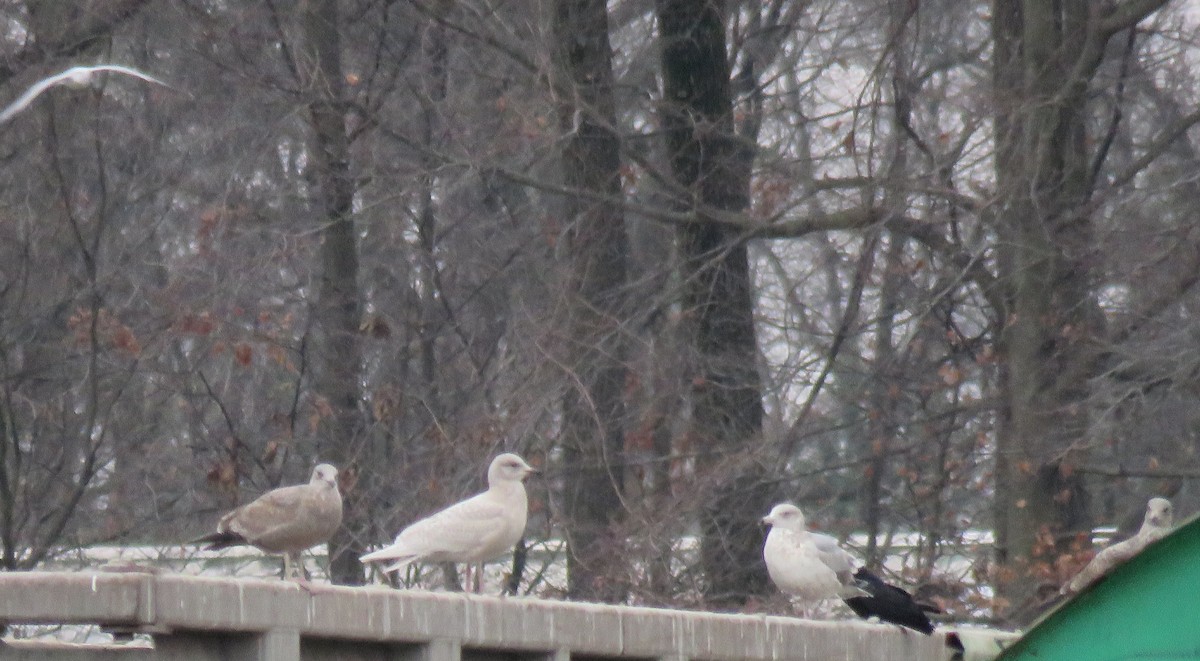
{"type": "Point", "coordinates": [474, 530]}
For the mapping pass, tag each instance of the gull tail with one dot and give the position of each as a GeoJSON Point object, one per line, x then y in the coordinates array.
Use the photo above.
{"type": "Point", "coordinates": [220, 540]}
{"type": "Point", "coordinates": [400, 555]}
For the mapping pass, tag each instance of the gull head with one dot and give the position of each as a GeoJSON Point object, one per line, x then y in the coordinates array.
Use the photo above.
{"type": "Point", "coordinates": [1158, 513]}
{"type": "Point", "coordinates": [508, 467]}
{"type": "Point", "coordinates": [786, 516]}
{"type": "Point", "coordinates": [324, 474]}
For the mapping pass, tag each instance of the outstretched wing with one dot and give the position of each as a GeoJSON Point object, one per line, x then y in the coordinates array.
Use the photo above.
{"type": "Point", "coordinates": [117, 68]}
{"type": "Point", "coordinates": [78, 74]}
{"type": "Point", "coordinates": [32, 93]}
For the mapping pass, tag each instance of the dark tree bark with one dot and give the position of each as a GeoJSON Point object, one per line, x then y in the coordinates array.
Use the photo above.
{"type": "Point", "coordinates": [1045, 55]}
{"type": "Point", "coordinates": [713, 166]}
{"type": "Point", "coordinates": [883, 400]}
{"type": "Point", "coordinates": [593, 409]}
{"type": "Point", "coordinates": [431, 96]}
{"type": "Point", "coordinates": [337, 359]}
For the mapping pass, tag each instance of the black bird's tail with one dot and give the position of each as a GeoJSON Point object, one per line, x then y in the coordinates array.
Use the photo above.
{"type": "Point", "coordinates": [219, 540]}
{"type": "Point", "coordinates": [890, 604]}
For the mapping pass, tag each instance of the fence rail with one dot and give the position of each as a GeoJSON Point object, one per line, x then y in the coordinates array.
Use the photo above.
{"type": "Point", "coordinates": [270, 620]}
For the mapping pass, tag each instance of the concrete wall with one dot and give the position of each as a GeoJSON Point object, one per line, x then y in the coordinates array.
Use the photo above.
{"type": "Point", "coordinates": [270, 620]}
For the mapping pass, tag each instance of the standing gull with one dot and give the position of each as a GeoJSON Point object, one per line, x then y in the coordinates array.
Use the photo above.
{"type": "Point", "coordinates": [77, 76]}
{"type": "Point", "coordinates": [472, 531]}
{"type": "Point", "coordinates": [286, 521]}
{"type": "Point", "coordinates": [1154, 527]}
{"type": "Point", "coordinates": [798, 566]}
{"type": "Point", "coordinates": [813, 567]}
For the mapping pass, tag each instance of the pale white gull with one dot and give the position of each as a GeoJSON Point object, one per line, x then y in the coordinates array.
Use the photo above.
{"type": "Point", "coordinates": [803, 566]}
{"type": "Point", "coordinates": [1155, 526]}
{"type": "Point", "coordinates": [76, 76]}
{"type": "Point", "coordinates": [286, 521]}
{"type": "Point", "coordinates": [475, 530]}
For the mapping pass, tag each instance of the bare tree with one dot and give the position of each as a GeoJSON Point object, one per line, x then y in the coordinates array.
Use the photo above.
{"type": "Point", "coordinates": [593, 432]}
{"type": "Point", "coordinates": [1051, 325]}
{"type": "Point", "coordinates": [336, 315]}
{"type": "Point", "coordinates": [712, 168]}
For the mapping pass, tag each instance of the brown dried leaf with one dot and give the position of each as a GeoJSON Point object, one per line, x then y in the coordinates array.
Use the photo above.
{"type": "Point", "coordinates": [243, 353]}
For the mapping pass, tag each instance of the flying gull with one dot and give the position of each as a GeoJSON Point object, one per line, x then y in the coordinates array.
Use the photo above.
{"type": "Point", "coordinates": [1154, 527]}
{"type": "Point", "coordinates": [285, 521]}
{"type": "Point", "coordinates": [76, 76]}
{"type": "Point", "coordinates": [474, 530]}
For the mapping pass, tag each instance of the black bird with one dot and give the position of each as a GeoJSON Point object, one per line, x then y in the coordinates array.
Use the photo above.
{"type": "Point", "coordinates": [890, 604]}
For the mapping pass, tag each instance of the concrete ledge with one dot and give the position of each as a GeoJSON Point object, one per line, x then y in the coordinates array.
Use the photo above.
{"type": "Point", "coordinates": [278, 620]}
{"type": "Point", "coordinates": [53, 598]}
{"type": "Point", "coordinates": [197, 602]}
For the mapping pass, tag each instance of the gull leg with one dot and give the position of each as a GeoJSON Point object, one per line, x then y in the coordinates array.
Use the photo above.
{"type": "Point", "coordinates": [302, 570]}
{"type": "Point", "coordinates": [451, 580]}
{"type": "Point", "coordinates": [296, 572]}
{"type": "Point", "coordinates": [469, 578]}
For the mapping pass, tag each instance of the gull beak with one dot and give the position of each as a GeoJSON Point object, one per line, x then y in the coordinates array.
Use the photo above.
{"type": "Point", "coordinates": [766, 521]}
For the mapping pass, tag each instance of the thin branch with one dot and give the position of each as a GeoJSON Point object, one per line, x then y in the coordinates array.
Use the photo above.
{"type": "Point", "coordinates": [1124, 472]}
{"type": "Point", "coordinates": [1118, 106]}
{"type": "Point", "coordinates": [511, 52]}
{"type": "Point", "coordinates": [865, 264]}
{"type": "Point", "coordinates": [1128, 14]}
{"type": "Point", "coordinates": [1164, 141]}
{"type": "Point", "coordinates": [230, 424]}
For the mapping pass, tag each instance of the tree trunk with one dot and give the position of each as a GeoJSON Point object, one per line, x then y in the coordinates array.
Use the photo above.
{"type": "Point", "coordinates": [710, 162]}
{"type": "Point", "coordinates": [593, 409]}
{"type": "Point", "coordinates": [1045, 56]}
{"type": "Point", "coordinates": [431, 97]}
{"type": "Point", "coordinates": [881, 410]}
{"type": "Point", "coordinates": [337, 354]}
